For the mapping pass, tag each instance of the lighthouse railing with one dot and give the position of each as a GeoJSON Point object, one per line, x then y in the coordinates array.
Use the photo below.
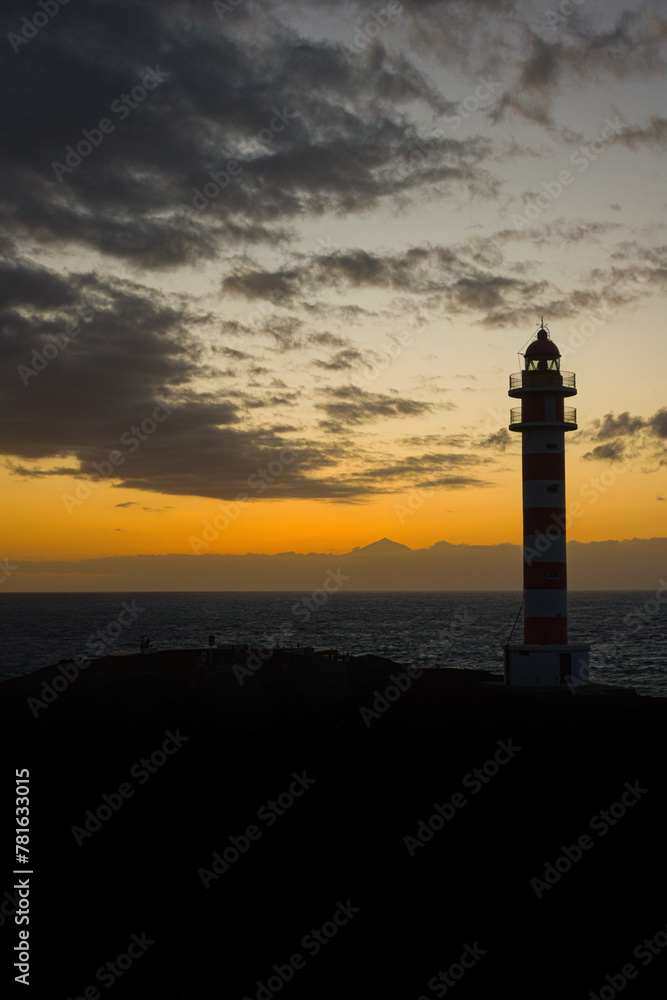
{"type": "Point", "coordinates": [569, 416]}
{"type": "Point", "coordinates": [539, 379]}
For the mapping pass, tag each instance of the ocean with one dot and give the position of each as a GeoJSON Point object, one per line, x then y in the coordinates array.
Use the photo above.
{"type": "Point", "coordinates": [626, 629]}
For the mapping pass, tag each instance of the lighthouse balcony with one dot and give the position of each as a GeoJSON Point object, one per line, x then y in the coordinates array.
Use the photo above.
{"type": "Point", "coordinates": [525, 382]}
{"type": "Point", "coordinates": [568, 423]}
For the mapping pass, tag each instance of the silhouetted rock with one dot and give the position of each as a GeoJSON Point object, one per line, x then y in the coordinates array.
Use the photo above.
{"type": "Point", "coordinates": [427, 800]}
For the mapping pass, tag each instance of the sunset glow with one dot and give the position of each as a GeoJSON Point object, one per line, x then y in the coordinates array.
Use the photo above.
{"type": "Point", "coordinates": [303, 280]}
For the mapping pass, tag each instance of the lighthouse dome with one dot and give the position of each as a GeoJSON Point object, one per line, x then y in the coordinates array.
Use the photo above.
{"type": "Point", "coordinates": [542, 354]}
{"type": "Point", "coordinates": [543, 347]}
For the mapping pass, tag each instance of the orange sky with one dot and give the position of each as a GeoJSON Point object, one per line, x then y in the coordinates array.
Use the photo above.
{"type": "Point", "coordinates": [605, 503]}
{"type": "Point", "coordinates": [355, 296]}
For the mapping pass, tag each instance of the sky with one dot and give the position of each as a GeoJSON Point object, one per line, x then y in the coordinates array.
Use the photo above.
{"type": "Point", "coordinates": [266, 268]}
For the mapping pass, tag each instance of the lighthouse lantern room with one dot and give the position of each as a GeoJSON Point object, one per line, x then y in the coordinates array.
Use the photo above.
{"type": "Point", "coordinates": [545, 659]}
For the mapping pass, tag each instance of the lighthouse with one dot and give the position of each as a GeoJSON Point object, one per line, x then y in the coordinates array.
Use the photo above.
{"type": "Point", "coordinates": [545, 659]}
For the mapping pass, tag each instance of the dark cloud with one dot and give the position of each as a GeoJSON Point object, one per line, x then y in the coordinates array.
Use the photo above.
{"type": "Point", "coordinates": [452, 272]}
{"type": "Point", "coordinates": [33, 472]}
{"type": "Point", "coordinates": [658, 423]}
{"type": "Point", "coordinates": [133, 377]}
{"type": "Point", "coordinates": [436, 441]}
{"type": "Point", "coordinates": [22, 283]}
{"type": "Point", "coordinates": [613, 427]}
{"type": "Point", "coordinates": [577, 51]}
{"type": "Point", "coordinates": [98, 390]}
{"type": "Point", "coordinates": [653, 134]}
{"type": "Point", "coordinates": [541, 71]}
{"type": "Point", "coordinates": [614, 451]}
{"type": "Point", "coordinates": [262, 284]}
{"type": "Point", "coordinates": [498, 441]}
{"type": "Point", "coordinates": [419, 465]}
{"type": "Point", "coordinates": [557, 233]}
{"type": "Point", "coordinates": [285, 332]}
{"type": "Point", "coordinates": [289, 125]}
{"type": "Point", "coordinates": [477, 277]}
{"type": "Point", "coordinates": [327, 339]}
{"type": "Point", "coordinates": [349, 359]}
{"type": "Point", "coordinates": [295, 129]}
{"type": "Point", "coordinates": [231, 352]}
{"type": "Point", "coordinates": [622, 431]}
{"type": "Point", "coordinates": [279, 124]}
{"type": "Point", "coordinates": [350, 405]}
{"type": "Point", "coordinates": [455, 483]}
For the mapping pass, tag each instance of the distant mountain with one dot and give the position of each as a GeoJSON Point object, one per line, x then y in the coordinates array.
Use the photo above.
{"type": "Point", "coordinates": [385, 545]}
{"type": "Point", "coordinates": [636, 564]}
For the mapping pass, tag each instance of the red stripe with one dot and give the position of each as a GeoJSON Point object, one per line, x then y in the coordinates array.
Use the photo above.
{"type": "Point", "coordinates": [537, 543]}
{"type": "Point", "coordinates": [536, 577]}
{"type": "Point", "coordinates": [545, 631]}
{"type": "Point", "coordinates": [545, 465]}
{"type": "Point", "coordinates": [533, 407]}
{"type": "Point", "coordinates": [542, 518]}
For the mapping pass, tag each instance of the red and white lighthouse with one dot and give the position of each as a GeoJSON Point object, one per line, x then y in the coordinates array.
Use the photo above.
{"type": "Point", "coordinates": [545, 658]}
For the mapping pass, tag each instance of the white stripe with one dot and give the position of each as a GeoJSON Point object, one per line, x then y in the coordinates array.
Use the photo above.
{"type": "Point", "coordinates": [540, 493]}
{"type": "Point", "coordinates": [545, 603]}
{"type": "Point", "coordinates": [535, 440]}
{"type": "Point", "coordinates": [554, 549]}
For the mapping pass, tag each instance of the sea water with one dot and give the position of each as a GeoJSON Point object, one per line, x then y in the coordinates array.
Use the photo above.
{"type": "Point", "coordinates": [626, 629]}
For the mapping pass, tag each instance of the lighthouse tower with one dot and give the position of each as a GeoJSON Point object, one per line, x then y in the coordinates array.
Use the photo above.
{"type": "Point", "coordinates": [545, 659]}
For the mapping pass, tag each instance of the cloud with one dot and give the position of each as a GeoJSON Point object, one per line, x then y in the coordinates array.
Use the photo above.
{"type": "Point", "coordinates": [436, 440]}
{"type": "Point", "coordinates": [327, 339]}
{"type": "Point", "coordinates": [622, 425]}
{"type": "Point", "coordinates": [476, 277]}
{"type": "Point", "coordinates": [653, 134]}
{"type": "Point", "coordinates": [262, 285]}
{"type": "Point", "coordinates": [322, 134]}
{"type": "Point", "coordinates": [420, 464]}
{"type": "Point", "coordinates": [658, 423]}
{"type": "Point", "coordinates": [310, 126]}
{"type": "Point", "coordinates": [350, 405]}
{"type": "Point", "coordinates": [455, 482]}
{"type": "Point", "coordinates": [32, 472]}
{"type": "Point", "coordinates": [349, 359]}
{"type": "Point", "coordinates": [136, 352]}
{"type": "Point", "coordinates": [285, 332]}
{"type": "Point", "coordinates": [619, 432]}
{"type": "Point", "coordinates": [498, 440]}
{"type": "Point", "coordinates": [456, 274]}
{"type": "Point", "coordinates": [614, 451]}
{"type": "Point", "coordinates": [412, 472]}
{"type": "Point", "coordinates": [582, 50]}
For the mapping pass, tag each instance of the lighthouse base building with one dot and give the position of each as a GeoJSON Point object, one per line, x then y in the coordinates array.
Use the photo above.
{"type": "Point", "coordinates": [546, 658]}
{"type": "Point", "coordinates": [547, 666]}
